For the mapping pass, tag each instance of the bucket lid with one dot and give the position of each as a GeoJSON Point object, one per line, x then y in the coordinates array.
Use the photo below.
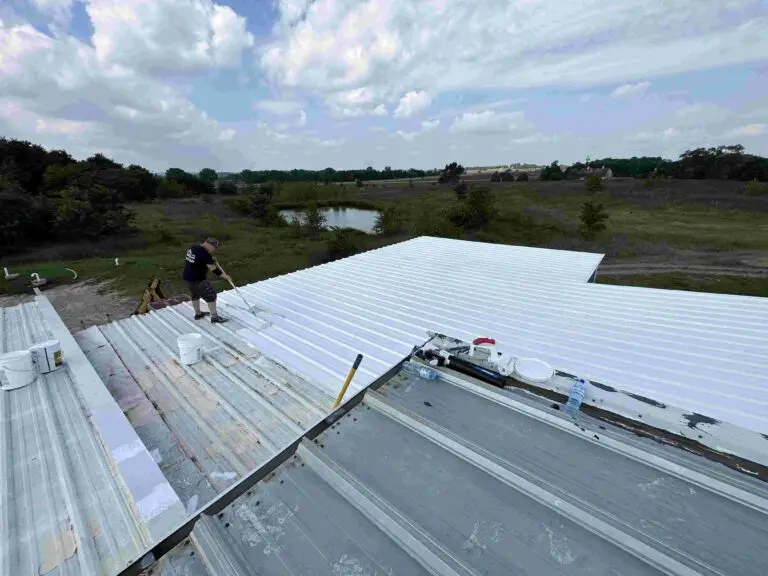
{"type": "Point", "coordinates": [534, 369]}
{"type": "Point", "coordinates": [46, 344]}
{"type": "Point", "coordinates": [191, 338]}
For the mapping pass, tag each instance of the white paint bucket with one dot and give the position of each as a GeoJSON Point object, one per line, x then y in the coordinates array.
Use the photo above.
{"type": "Point", "coordinates": [46, 356]}
{"type": "Point", "coordinates": [534, 370]}
{"type": "Point", "coordinates": [190, 348]}
{"type": "Point", "coordinates": [18, 368]}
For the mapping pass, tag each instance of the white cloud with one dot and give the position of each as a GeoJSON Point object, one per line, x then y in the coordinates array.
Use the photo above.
{"type": "Point", "coordinates": [227, 134]}
{"type": "Point", "coordinates": [407, 136]}
{"type": "Point", "coordinates": [60, 11]}
{"type": "Point", "coordinates": [302, 121]}
{"type": "Point", "coordinates": [666, 134]}
{"type": "Point", "coordinates": [750, 130]}
{"type": "Point", "coordinates": [167, 36]}
{"type": "Point", "coordinates": [380, 110]}
{"type": "Point", "coordinates": [630, 90]}
{"type": "Point", "coordinates": [68, 127]}
{"type": "Point", "coordinates": [395, 47]}
{"type": "Point", "coordinates": [429, 125]}
{"type": "Point", "coordinates": [59, 84]}
{"type": "Point", "coordinates": [412, 103]}
{"type": "Point", "coordinates": [489, 122]}
{"type": "Point", "coordinates": [278, 107]}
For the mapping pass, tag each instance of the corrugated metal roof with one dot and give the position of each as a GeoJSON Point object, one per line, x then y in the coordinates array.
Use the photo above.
{"type": "Point", "coordinates": [703, 353]}
{"type": "Point", "coordinates": [453, 477]}
{"type": "Point", "coordinates": [206, 424]}
{"type": "Point", "coordinates": [68, 506]}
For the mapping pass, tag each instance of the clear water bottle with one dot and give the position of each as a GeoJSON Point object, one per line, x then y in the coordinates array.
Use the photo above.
{"type": "Point", "coordinates": [576, 397]}
{"type": "Point", "coordinates": [420, 370]}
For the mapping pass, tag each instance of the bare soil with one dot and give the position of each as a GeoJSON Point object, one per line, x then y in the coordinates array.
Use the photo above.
{"type": "Point", "coordinates": [83, 304]}
{"type": "Point", "coordinates": [743, 264]}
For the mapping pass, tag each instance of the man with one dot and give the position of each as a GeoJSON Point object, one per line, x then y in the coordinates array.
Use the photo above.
{"type": "Point", "coordinates": [199, 261]}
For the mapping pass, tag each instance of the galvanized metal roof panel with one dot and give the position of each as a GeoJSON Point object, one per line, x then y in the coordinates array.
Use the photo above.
{"type": "Point", "coordinates": [66, 506]}
{"type": "Point", "coordinates": [453, 477]}
{"type": "Point", "coordinates": [211, 422]}
{"type": "Point", "coordinates": [704, 353]}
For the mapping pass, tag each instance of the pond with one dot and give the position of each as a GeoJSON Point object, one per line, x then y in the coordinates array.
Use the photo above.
{"type": "Point", "coordinates": [342, 217]}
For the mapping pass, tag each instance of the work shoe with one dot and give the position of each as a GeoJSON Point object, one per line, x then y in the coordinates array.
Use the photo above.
{"type": "Point", "coordinates": [218, 320]}
{"type": "Point", "coordinates": [200, 315]}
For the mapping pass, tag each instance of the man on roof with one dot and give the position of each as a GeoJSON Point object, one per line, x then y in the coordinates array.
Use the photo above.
{"type": "Point", "coordinates": [199, 261]}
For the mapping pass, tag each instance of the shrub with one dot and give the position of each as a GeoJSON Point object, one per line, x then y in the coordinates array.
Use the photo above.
{"type": "Point", "coordinates": [227, 188]}
{"type": "Point", "coordinates": [90, 212]}
{"type": "Point", "coordinates": [314, 220]}
{"type": "Point", "coordinates": [343, 242]}
{"type": "Point", "coordinates": [239, 205]}
{"type": "Point", "coordinates": [170, 189]}
{"type": "Point", "coordinates": [389, 221]}
{"type": "Point", "coordinates": [359, 183]}
{"type": "Point", "coordinates": [410, 183]}
{"type": "Point", "coordinates": [260, 204]}
{"type": "Point", "coordinates": [593, 183]}
{"type": "Point", "coordinates": [295, 226]}
{"type": "Point", "coordinates": [522, 177]}
{"type": "Point", "coordinates": [755, 188]}
{"type": "Point", "coordinates": [593, 217]}
{"type": "Point", "coordinates": [461, 190]}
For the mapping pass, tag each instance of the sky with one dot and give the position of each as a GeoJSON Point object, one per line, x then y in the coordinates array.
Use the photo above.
{"type": "Point", "coordinates": [281, 84]}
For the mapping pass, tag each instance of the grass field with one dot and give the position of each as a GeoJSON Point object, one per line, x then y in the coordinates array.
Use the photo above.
{"type": "Point", "coordinates": [546, 214]}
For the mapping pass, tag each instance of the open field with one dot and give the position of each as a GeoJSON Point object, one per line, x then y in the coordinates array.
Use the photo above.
{"type": "Point", "coordinates": [673, 224]}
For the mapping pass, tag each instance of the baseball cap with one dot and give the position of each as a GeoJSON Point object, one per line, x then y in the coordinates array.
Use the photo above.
{"type": "Point", "coordinates": [213, 242]}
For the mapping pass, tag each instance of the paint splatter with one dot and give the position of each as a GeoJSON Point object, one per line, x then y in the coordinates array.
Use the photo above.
{"type": "Point", "coordinates": [223, 475]}
{"type": "Point", "coordinates": [156, 456]}
{"type": "Point", "coordinates": [483, 533]}
{"type": "Point", "coordinates": [558, 547]}
{"type": "Point", "coordinates": [266, 527]}
{"type": "Point", "coordinates": [192, 504]}
{"type": "Point", "coordinates": [348, 566]}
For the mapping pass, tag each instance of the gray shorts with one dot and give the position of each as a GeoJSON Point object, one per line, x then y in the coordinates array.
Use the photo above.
{"type": "Point", "coordinates": [204, 290]}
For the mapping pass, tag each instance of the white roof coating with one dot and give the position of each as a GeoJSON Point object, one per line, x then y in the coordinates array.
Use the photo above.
{"type": "Point", "coordinates": [706, 353]}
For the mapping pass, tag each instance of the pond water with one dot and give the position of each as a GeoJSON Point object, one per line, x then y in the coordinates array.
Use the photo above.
{"type": "Point", "coordinates": [341, 217]}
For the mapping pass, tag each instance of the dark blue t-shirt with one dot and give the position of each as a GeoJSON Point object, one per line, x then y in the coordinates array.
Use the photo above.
{"type": "Point", "coordinates": [196, 268]}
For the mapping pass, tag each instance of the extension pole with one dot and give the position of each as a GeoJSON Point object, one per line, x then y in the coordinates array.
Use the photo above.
{"type": "Point", "coordinates": [351, 375]}
{"type": "Point", "coordinates": [247, 306]}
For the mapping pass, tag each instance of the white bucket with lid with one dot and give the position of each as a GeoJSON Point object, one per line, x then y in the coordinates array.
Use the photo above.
{"type": "Point", "coordinates": [18, 368]}
{"type": "Point", "coordinates": [534, 370]}
{"type": "Point", "coordinates": [46, 356]}
{"type": "Point", "coordinates": [190, 348]}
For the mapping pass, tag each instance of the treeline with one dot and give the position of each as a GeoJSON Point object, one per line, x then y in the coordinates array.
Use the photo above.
{"type": "Point", "coordinates": [326, 176]}
{"type": "Point", "coordinates": [721, 163]}
{"type": "Point", "coordinates": [48, 196]}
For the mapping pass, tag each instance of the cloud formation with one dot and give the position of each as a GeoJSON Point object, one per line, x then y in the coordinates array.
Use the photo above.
{"type": "Point", "coordinates": [630, 90]}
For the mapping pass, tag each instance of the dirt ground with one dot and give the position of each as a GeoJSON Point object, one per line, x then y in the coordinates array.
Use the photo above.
{"type": "Point", "coordinates": [743, 264]}
{"type": "Point", "coordinates": [83, 304]}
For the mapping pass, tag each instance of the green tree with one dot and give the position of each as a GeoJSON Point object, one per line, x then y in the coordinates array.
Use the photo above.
{"type": "Point", "coordinates": [451, 173]}
{"type": "Point", "coordinates": [90, 212]}
{"type": "Point", "coordinates": [343, 242]}
{"type": "Point", "coordinates": [208, 175]}
{"type": "Point", "coordinates": [388, 222]}
{"type": "Point", "coordinates": [227, 188]}
{"type": "Point", "coordinates": [314, 220]}
{"type": "Point", "coordinates": [593, 218]}
{"type": "Point", "coordinates": [593, 183]}
{"type": "Point", "coordinates": [552, 172]}
{"type": "Point", "coordinates": [170, 189]}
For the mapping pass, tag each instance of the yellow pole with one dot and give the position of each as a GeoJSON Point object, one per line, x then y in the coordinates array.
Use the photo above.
{"type": "Point", "coordinates": [351, 375]}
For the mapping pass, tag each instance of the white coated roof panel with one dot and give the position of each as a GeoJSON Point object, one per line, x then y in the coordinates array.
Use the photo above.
{"type": "Point", "coordinates": [706, 353]}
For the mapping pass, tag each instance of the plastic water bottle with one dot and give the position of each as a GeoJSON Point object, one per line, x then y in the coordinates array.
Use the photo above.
{"type": "Point", "coordinates": [420, 370]}
{"type": "Point", "coordinates": [576, 397]}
